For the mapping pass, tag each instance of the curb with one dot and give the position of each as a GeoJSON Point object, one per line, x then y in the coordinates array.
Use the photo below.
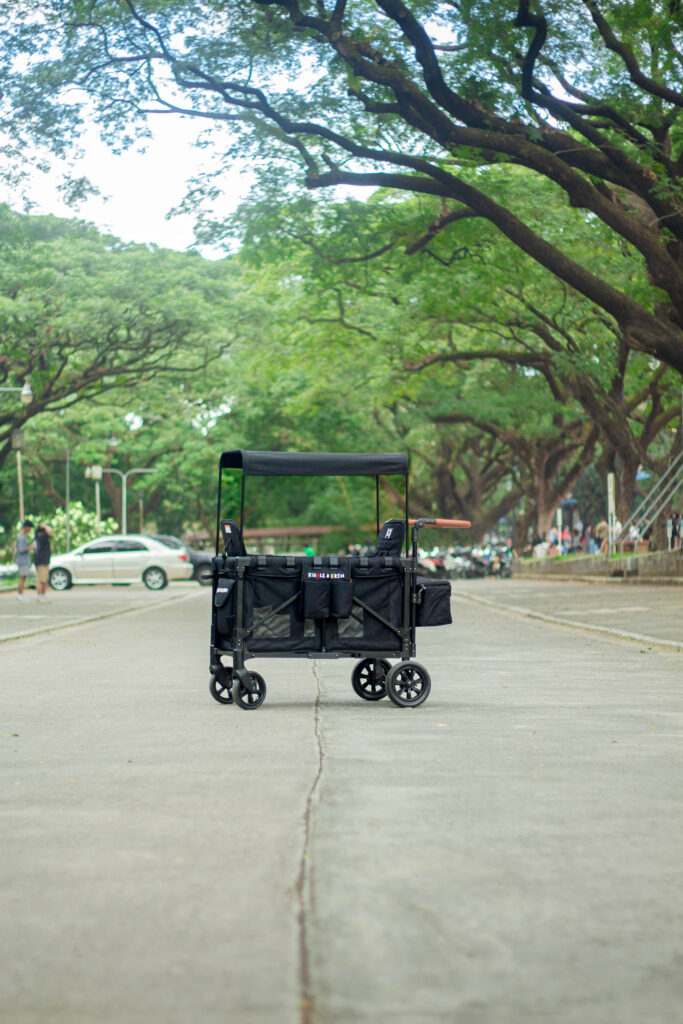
{"type": "Point", "coordinates": [620, 634]}
{"type": "Point", "coordinates": [669, 581]}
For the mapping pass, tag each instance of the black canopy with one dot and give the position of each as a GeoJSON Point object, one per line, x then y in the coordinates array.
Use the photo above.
{"type": "Point", "coordinates": [315, 463]}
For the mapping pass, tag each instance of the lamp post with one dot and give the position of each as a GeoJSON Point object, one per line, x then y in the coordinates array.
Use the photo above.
{"type": "Point", "coordinates": [18, 446]}
{"type": "Point", "coordinates": [124, 478]}
{"type": "Point", "coordinates": [94, 473]}
{"type": "Point", "coordinates": [68, 500]}
{"type": "Point", "coordinates": [26, 397]}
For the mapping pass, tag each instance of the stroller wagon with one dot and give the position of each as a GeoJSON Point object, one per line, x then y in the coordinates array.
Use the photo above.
{"type": "Point", "coordinates": [287, 606]}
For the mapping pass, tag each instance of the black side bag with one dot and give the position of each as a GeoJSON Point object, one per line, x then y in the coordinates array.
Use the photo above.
{"type": "Point", "coordinates": [316, 588]}
{"type": "Point", "coordinates": [434, 602]}
{"type": "Point", "coordinates": [341, 592]}
{"type": "Point", "coordinates": [224, 603]}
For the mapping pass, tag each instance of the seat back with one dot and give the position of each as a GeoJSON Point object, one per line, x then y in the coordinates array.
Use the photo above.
{"type": "Point", "coordinates": [232, 539]}
{"type": "Point", "coordinates": [390, 537]}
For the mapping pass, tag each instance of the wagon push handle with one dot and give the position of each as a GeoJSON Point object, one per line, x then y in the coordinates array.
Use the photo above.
{"type": "Point", "coordinates": [417, 524]}
{"type": "Point", "coordinates": [457, 523]}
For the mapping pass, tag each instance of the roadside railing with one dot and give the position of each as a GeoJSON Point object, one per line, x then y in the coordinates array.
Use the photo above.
{"type": "Point", "coordinates": [653, 503]}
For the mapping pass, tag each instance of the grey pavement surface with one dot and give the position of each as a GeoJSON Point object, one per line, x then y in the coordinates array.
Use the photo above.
{"type": "Point", "coordinates": [645, 611]}
{"type": "Point", "coordinates": [509, 852]}
{"type": "Point", "coordinates": [80, 604]}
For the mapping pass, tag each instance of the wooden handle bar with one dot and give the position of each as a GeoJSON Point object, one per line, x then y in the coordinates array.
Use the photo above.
{"type": "Point", "coordinates": [461, 524]}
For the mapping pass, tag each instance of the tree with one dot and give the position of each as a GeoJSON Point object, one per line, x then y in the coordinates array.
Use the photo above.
{"type": "Point", "coordinates": [427, 303]}
{"type": "Point", "coordinates": [82, 315]}
{"type": "Point", "coordinates": [434, 98]}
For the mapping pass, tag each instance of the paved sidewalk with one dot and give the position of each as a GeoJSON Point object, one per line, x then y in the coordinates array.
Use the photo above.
{"type": "Point", "coordinates": [80, 604]}
{"type": "Point", "coordinates": [645, 614]}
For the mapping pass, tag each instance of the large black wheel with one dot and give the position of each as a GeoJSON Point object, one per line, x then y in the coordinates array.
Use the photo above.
{"type": "Point", "coordinates": [368, 678]}
{"type": "Point", "coordinates": [60, 579]}
{"type": "Point", "coordinates": [154, 578]}
{"type": "Point", "coordinates": [408, 684]}
{"type": "Point", "coordinates": [243, 697]}
{"type": "Point", "coordinates": [220, 687]}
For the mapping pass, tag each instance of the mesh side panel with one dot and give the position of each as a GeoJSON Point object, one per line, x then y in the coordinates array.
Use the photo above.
{"type": "Point", "coordinates": [268, 625]}
{"type": "Point", "coordinates": [352, 626]}
{"type": "Point", "coordinates": [380, 592]}
{"type": "Point", "coordinates": [286, 631]}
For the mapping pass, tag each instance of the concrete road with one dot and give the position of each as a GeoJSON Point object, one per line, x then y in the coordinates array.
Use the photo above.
{"type": "Point", "coordinates": [640, 611]}
{"type": "Point", "coordinates": [80, 604]}
{"type": "Point", "coordinates": [509, 852]}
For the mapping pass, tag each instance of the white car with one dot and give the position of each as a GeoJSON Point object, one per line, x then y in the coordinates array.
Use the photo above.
{"type": "Point", "coordinates": [120, 558]}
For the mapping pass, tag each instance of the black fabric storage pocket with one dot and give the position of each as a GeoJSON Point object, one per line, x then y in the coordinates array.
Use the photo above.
{"type": "Point", "coordinates": [316, 594]}
{"type": "Point", "coordinates": [434, 607]}
{"type": "Point", "coordinates": [224, 603]}
{"type": "Point", "coordinates": [341, 599]}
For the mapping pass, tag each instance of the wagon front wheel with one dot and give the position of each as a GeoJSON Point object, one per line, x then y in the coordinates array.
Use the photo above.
{"type": "Point", "coordinates": [243, 697]}
{"type": "Point", "coordinates": [368, 678]}
{"type": "Point", "coordinates": [408, 684]}
{"type": "Point", "coordinates": [220, 686]}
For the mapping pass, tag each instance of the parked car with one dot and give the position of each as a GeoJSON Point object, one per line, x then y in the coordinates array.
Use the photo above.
{"type": "Point", "coordinates": [201, 560]}
{"type": "Point", "coordinates": [120, 558]}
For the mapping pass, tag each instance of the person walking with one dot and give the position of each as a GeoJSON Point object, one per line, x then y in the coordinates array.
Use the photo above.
{"type": "Point", "coordinates": [675, 530]}
{"type": "Point", "coordinates": [41, 558]}
{"type": "Point", "coordinates": [22, 556]}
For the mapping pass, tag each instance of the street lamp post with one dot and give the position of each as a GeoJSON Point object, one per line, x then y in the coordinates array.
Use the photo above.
{"type": "Point", "coordinates": [124, 478]}
{"type": "Point", "coordinates": [26, 396]}
{"type": "Point", "coordinates": [94, 473]}
{"type": "Point", "coordinates": [68, 500]}
{"type": "Point", "coordinates": [18, 446]}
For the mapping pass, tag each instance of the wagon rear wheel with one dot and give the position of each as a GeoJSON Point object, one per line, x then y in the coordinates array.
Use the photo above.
{"type": "Point", "coordinates": [368, 678]}
{"type": "Point", "coordinates": [408, 684]}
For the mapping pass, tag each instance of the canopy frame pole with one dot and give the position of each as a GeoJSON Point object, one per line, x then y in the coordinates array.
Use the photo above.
{"type": "Point", "coordinates": [406, 531]}
{"type": "Point", "coordinates": [377, 500]}
{"type": "Point", "coordinates": [242, 504]}
{"type": "Point", "coordinates": [218, 510]}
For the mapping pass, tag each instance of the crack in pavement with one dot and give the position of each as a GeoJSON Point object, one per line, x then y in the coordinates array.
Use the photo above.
{"type": "Point", "coordinates": [303, 884]}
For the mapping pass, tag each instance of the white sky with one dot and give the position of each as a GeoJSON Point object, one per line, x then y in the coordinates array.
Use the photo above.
{"type": "Point", "coordinates": [138, 189]}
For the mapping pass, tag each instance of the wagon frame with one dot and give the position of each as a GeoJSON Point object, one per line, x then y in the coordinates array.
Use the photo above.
{"type": "Point", "coordinates": [289, 606]}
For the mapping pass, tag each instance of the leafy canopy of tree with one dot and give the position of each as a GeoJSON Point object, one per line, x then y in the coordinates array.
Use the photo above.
{"type": "Point", "coordinates": [83, 314]}
{"type": "Point", "coordinates": [427, 306]}
{"type": "Point", "coordinates": [426, 97]}
{"type": "Point", "coordinates": [230, 375]}
{"type": "Point", "coordinates": [332, 352]}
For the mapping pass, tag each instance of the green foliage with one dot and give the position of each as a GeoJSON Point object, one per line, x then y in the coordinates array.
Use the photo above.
{"type": "Point", "coordinates": [421, 97]}
{"type": "Point", "coordinates": [82, 315]}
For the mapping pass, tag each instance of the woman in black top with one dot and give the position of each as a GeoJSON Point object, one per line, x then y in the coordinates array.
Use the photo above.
{"type": "Point", "coordinates": [41, 557]}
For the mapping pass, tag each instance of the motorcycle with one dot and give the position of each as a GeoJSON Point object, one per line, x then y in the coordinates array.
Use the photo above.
{"type": "Point", "coordinates": [433, 563]}
{"type": "Point", "coordinates": [501, 561]}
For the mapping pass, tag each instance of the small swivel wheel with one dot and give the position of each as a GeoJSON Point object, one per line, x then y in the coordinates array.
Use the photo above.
{"type": "Point", "coordinates": [408, 684]}
{"type": "Point", "coordinates": [219, 686]}
{"type": "Point", "coordinates": [368, 678]}
{"type": "Point", "coordinates": [243, 697]}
